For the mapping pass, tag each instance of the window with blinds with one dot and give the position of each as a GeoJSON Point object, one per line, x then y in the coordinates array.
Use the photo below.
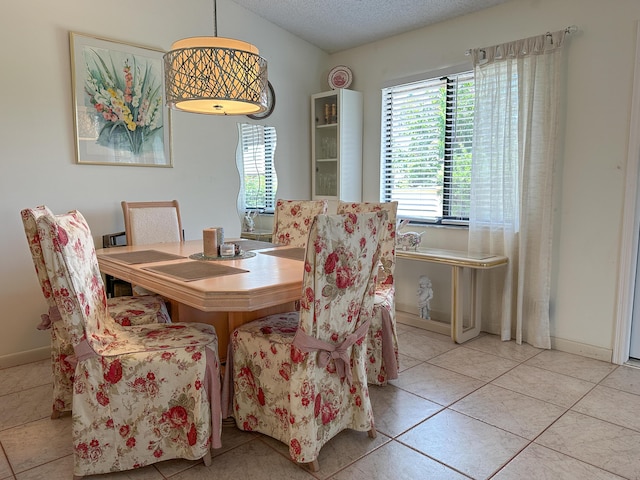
{"type": "Point", "coordinates": [427, 131]}
{"type": "Point", "coordinates": [260, 182]}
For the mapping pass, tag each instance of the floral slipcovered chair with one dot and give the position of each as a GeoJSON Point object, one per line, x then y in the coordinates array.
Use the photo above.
{"type": "Point", "coordinates": [124, 310]}
{"type": "Point", "coordinates": [142, 394]}
{"type": "Point", "coordinates": [292, 220]}
{"type": "Point", "coordinates": [300, 377]}
{"type": "Point", "coordinates": [382, 341]}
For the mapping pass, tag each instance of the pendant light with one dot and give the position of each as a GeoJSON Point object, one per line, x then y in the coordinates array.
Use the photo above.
{"type": "Point", "coordinates": [215, 75]}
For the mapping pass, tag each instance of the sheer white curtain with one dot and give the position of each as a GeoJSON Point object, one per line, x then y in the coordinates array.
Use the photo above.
{"type": "Point", "coordinates": [514, 148]}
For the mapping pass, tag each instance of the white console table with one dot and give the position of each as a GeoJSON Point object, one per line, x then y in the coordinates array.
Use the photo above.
{"type": "Point", "coordinates": [458, 260]}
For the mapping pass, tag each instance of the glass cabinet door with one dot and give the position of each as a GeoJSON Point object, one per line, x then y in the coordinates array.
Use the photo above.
{"type": "Point", "coordinates": [327, 178]}
{"type": "Point", "coordinates": [336, 146]}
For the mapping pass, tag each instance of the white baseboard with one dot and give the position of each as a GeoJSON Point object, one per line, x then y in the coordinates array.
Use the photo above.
{"type": "Point", "coordinates": [22, 358]}
{"type": "Point", "coordinates": [560, 344]}
{"type": "Point", "coordinates": [591, 351]}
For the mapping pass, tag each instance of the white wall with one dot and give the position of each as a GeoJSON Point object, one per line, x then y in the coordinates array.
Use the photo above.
{"type": "Point", "coordinates": [36, 138]}
{"type": "Point", "coordinates": [37, 141]}
{"type": "Point", "coordinates": [591, 170]}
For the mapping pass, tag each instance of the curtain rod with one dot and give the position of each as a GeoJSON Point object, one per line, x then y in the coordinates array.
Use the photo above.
{"type": "Point", "coordinates": [569, 30]}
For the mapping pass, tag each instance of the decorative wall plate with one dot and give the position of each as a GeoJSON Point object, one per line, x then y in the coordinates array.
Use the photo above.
{"type": "Point", "coordinates": [271, 104]}
{"type": "Point", "coordinates": [340, 77]}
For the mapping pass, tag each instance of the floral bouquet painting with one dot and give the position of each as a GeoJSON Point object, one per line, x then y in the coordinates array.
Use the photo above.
{"type": "Point", "coordinates": [120, 111]}
{"type": "Point", "coordinates": [128, 98]}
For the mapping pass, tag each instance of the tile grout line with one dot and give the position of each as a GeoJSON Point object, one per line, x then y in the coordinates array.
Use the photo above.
{"type": "Point", "coordinates": [6, 456]}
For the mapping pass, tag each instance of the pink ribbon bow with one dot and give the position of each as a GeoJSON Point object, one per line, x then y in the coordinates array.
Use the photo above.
{"type": "Point", "coordinates": [328, 351]}
{"type": "Point", "coordinates": [46, 319]}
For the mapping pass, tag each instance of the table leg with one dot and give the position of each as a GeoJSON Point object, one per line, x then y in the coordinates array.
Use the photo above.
{"type": "Point", "coordinates": [456, 302]}
{"type": "Point", "coordinates": [459, 333]}
{"type": "Point", "coordinates": [226, 322]}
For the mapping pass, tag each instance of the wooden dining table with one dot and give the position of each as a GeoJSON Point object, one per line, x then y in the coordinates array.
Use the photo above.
{"type": "Point", "coordinates": [226, 293]}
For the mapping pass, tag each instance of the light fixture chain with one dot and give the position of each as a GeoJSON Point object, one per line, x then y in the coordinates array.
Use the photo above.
{"type": "Point", "coordinates": [215, 18]}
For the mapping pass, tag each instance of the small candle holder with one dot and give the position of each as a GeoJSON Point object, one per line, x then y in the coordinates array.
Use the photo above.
{"type": "Point", "coordinates": [227, 250]}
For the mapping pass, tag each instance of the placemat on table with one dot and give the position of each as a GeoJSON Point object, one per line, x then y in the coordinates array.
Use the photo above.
{"type": "Point", "coordinates": [143, 256]}
{"type": "Point", "coordinates": [296, 253]}
{"type": "Point", "coordinates": [248, 245]}
{"type": "Point", "coordinates": [190, 271]}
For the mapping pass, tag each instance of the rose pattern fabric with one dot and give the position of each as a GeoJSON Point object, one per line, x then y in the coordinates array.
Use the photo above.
{"type": "Point", "coordinates": [292, 220]}
{"type": "Point", "coordinates": [377, 373]}
{"type": "Point", "coordinates": [138, 310]}
{"type": "Point", "coordinates": [125, 310]}
{"type": "Point", "coordinates": [140, 393]}
{"type": "Point", "coordinates": [283, 392]}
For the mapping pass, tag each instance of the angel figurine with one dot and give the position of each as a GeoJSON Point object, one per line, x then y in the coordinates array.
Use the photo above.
{"type": "Point", "coordinates": [425, 294]}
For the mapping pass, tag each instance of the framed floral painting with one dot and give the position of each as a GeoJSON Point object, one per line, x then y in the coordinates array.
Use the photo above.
{"type": "Point", "coordinates": [120, 117]}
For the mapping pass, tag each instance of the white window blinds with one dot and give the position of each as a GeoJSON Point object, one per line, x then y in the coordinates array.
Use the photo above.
{"type": "Point", "coordinates": [258, 144]}
{"type": "Point", "coordinates": [427, 131]}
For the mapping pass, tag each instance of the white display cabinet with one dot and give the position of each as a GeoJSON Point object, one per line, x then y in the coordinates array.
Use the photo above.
{"type": "Point", "coordinates": [336, 146]}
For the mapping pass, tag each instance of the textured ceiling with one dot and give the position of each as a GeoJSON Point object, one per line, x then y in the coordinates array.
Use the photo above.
{"type": "Point", "coordinates": [335, 25]}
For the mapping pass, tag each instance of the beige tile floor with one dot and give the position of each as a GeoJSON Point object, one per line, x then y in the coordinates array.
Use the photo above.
{"type": "Point", "coordinates": [485, 409]}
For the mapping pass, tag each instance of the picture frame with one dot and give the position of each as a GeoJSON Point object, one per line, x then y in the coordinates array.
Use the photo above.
{"type": "Point", "coordinates": [120, 113]}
